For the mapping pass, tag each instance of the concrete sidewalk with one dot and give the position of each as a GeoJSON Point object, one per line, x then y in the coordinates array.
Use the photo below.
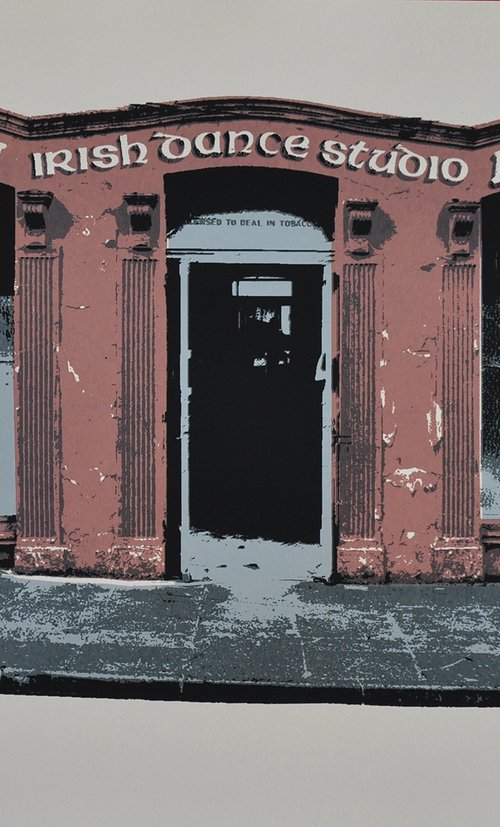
{"type": "Point", "coordinates": [300, 640]}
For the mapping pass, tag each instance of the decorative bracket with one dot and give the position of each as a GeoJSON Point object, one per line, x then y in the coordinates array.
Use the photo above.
{"type": "Point", "coordinates": [462, 228]}
{"type": "Point", "coordinates": [358, 224]}
{"type": "Point", "coordinates": [35, 205]}
{"type": "Point", "coordinates": [140, 212]}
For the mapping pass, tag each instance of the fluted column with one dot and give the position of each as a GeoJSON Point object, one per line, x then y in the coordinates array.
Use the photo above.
{"type": "Point", "coordinates": [458, 549]}
{"type": "Point", "coordinates": [36, 385]}
{"type": "Point", "coordinates": [39, 521]}
{"type": "Point", "coordinates": [458, 398]}
{"type": "Point", "coordinates": [357, 418]}
{"type": "Point", "coordinates": [359, 552]}
{"type": "Point", "coordinates": [137, 404]}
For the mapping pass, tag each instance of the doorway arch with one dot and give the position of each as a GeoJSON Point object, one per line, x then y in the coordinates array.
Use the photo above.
{"type": "Point", "coordinates": [254, 295]}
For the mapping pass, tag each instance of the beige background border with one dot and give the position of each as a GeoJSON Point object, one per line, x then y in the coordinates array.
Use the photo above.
{"type": "Point", "coordinates": [70, 762]}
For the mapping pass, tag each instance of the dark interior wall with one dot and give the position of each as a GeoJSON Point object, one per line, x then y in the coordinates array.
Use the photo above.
{"type": "Point", "coordinates": [307, 195]}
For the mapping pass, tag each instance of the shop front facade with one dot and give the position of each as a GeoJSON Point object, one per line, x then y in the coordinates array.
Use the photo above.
{"type": "Point", "coordinates": [250, 324]}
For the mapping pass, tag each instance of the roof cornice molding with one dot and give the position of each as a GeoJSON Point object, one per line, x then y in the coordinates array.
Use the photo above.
{"type": "Point", "coordinates": [138, 116]}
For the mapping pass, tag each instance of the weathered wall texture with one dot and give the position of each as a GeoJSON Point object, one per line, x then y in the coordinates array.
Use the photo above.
{"type": "Point", "coordinates": [90, 334]}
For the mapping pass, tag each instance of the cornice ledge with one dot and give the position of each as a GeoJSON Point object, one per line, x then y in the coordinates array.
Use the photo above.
{"type": "Point", "coordinates": [138, 116]}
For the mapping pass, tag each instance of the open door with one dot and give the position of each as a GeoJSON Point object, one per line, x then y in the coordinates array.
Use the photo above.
{"type": "Point", "coordinates": [254, 433]}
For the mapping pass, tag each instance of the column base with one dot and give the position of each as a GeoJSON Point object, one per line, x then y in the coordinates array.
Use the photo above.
{"type": "Point", "coordinates": [360, 560]}
{"type": "Point", "coordinates": [457, 560]}
{"type": "Point", "coordinates": [132, 561]}
{"type": "Point", "coordinates": [490, 535]}
{"type": "Point", "coordinates": [40, 559]}
{"type": "Point", "coordinates": [7, 530]}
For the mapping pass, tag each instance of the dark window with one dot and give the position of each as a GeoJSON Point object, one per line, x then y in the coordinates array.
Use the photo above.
{"type": "Point", "coordinates": [490, 360]}
{"type": "Point", "coordinates": [7, 255]}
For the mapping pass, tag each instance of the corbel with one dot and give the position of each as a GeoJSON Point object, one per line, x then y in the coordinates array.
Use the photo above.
{"type": "Point", "coordinates": [359, 224]}
{"type": "Point", "coordinates": [462, 228]}
{"type": "Point", "coordinates": [140, 213]}
{"type": "Point", "coordinates": [35, 205]}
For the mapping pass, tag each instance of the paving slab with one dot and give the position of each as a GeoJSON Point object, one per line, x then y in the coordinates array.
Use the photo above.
{"type": "Point", "coordinates": [198, 639]}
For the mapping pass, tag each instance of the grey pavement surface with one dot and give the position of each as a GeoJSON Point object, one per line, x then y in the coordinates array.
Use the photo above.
{"type": "Point", "coordinates": [306, 634]}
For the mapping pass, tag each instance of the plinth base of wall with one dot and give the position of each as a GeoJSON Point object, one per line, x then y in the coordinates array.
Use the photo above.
{"type": "Point", "coordinates": [445, 562]}
{"type": "Point", "coordinates": [457, 562]}
{"type": "Point", "coordinates": [361, 563]}
{"type": "Point", "coordinates": [140, 562]}
{"type": "Point", "coordinates": [7, 530]}
{"type": "Point", "coordinates": [40, 559]}
{"type": "Point", "coordinates": [492, 561]}
{"type": "Point", "coordinates": [490, 535]}
{"type": "Point", "coordinates": [131, 562]}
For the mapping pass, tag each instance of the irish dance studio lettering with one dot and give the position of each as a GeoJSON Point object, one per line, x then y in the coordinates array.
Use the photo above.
{"type": "Point", "coordinates": [173, 148]}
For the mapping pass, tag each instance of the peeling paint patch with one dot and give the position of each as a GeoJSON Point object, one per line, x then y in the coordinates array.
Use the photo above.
{"type": "Point", "coordinates": [382, 396]}
{"type": "Point", "coordinates": [102, 476]}
{"type": "Point", "coordinates": [410, 535]}
{"type": "Point", "coordinates": [412, 479]}
{"type": "Point", "coordinates": [434, 419]}
{"type": "Point", "coordinates": [425, 353]}
{"type": "Point", "coordinates": [385, 334]}
{"type": "Point", "coordinates": [439, 420]}
{"type": "Point", "coordinates": [73, 371]}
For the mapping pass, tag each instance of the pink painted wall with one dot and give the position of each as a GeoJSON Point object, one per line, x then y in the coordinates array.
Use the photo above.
{"type": "Point", "coordinates": [424, 425]}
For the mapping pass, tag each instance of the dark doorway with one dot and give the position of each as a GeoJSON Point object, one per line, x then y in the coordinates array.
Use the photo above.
{"type": "Point", "coordinates": [255, 415]}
